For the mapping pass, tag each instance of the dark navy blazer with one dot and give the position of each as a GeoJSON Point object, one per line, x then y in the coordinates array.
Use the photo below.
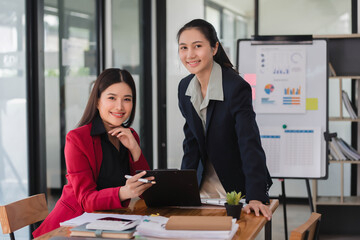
{"type": "Point", "coordinates": [232, 141]}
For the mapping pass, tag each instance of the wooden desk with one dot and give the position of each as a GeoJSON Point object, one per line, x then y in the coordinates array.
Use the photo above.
{"type": "Point", "coordinates": [249, 224]}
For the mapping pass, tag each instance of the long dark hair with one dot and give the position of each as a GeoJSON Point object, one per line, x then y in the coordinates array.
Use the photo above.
{"type": "Point", "coordinates": [106, 79]}
{"type": "Point", "coordinates": [210, 34]}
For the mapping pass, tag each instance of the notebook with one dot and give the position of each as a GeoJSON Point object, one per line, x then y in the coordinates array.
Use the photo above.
{"type": "Point", "coordinates": [82, 231]}
{"type": "Point", "coordinates": [173, 188]}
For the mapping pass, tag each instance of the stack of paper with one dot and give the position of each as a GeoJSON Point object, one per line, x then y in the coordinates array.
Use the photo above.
{"type": "Point", "coordinates": [155, 227]}
{"type": "Point", "coordinates": [348, 105]}
{"type": "Point", "coordinates": [91, 217]}
{"type": "Point", "coordinates": [149, 227]}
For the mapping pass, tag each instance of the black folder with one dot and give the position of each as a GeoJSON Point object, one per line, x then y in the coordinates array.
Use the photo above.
{"type": "Point", "coordinates": [172, 188]}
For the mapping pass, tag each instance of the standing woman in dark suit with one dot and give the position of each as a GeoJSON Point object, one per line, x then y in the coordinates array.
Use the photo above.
{"type": "Point", "coordinates": [100, 152]}
{"type": "Point", "coordinates": [221, 135]}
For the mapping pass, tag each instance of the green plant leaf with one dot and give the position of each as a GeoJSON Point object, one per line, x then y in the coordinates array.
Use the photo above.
{"type": "Point", "coordinates": [234, 198]}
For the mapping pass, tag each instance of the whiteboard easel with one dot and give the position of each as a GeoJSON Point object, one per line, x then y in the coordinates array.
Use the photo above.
{"type": "Point", "coordinates": [291, 130]}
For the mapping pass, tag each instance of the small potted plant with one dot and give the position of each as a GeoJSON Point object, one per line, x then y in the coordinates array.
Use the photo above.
{"type": "Point", "coordinates": [233, 205]}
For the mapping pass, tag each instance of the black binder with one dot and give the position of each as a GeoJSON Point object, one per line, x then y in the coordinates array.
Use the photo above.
{"type": "Point", "coordinates": [172, 188]}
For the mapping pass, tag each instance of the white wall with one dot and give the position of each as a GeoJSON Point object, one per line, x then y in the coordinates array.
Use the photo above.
{"type": "Point", "coordinates": [283, 17]}
{"type": "Point", "coordinates": [178, 13]}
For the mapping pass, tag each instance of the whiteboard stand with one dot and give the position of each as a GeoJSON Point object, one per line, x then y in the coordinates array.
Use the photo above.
{"type": "Point", "coordinates": [283, 196]}
{"type": "Point", "coordinates": [309, 195]}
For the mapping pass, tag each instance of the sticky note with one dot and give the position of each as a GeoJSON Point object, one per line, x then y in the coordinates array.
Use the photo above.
{"type": "Point", "coordinates": [253, 93]}
{"type": "Point", "coordinates": [250, 78]}
{"type": "Point", "coordinates": [312, 104]}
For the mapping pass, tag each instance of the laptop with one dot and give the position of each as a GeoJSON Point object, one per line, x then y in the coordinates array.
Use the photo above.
{"type": "Point", "coordinates": [173, 188]}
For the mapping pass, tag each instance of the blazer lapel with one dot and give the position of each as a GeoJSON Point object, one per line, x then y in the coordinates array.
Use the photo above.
{"type": "Point", "coordinates": [97, 154]}
{"type": "Point", "coordinates": [210, 109]}
{"type": "Point", "coordinates": [195, 123]}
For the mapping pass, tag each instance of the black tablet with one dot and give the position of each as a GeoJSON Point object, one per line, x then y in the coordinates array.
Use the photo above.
{"type": "Point", "coordinates": [172, 188]}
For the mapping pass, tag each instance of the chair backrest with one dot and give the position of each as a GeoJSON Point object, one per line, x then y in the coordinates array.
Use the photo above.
{"type": "Point", "coordinates": [22, 213]}
{"type": "Point", "coordinates": [309, 230]}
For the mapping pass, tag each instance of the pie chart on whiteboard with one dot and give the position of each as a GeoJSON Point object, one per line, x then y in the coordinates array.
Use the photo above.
{"type": "Point", "coordinates": [269, 88]}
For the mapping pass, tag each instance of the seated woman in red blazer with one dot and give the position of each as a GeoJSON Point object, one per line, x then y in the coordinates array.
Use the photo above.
{"type": "Point", "coordinates": [100, 152]}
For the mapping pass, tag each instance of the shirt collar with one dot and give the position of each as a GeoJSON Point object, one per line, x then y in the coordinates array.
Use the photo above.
{"type": "Point", "coordinates": [97, 127]}
{"type": "Point", "coordinates": [215, 88]}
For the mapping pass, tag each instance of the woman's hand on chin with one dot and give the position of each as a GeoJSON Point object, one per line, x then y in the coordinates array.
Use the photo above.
{"type": "Point", "coordinates": [127, 139]}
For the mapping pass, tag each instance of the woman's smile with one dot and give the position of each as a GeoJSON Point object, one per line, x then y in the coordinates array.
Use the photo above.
{"type": "Point", "coordinates": [193, 63]}
{"type": "Point", "coordinates": [118, 115]}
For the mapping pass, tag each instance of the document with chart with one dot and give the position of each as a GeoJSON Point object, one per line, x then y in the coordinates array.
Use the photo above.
{"type": "Point", "coordinates": [292, 152]}
{"type": "Point", "coordinates": [281, 79]}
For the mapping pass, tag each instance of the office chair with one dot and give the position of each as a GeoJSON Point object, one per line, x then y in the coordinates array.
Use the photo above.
{"type": "Point", "coordinates": [22, 213]}
{"type": "Point", "coordinates": [309, 230]}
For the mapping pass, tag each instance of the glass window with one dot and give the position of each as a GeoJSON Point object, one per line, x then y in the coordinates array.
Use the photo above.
{"type": "Point", "coordinates": [78, 57]}
{"type": "Point", "coordinates": [125, 45]}
{"type": "Point", "coordinates": [228, 36]}
{"type": "Point", "coordinates": [52, 97]}
{"type": "Point", "coordinates": [232, 21]}
{"type": "Point", "coordinates": [241, 28]}
{"type": "Point", "coordinates": [213, 16]}
{"type": "Point", "coordinates": [70, 69]}
{"type": "Point", "coordinates": [13, 107]}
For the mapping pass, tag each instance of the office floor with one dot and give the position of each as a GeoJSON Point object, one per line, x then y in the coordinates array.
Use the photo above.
{"type": "Point", "coordinates": [297, 214]}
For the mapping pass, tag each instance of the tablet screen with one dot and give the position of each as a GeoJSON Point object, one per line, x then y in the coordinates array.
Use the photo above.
{"type": "Point", "coordinates": [173, 188]}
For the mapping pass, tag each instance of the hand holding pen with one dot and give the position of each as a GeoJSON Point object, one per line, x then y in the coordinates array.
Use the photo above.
{"type": "Point", "coordinates": [134, 187]}
{"type": "Point", "coordinates": [143, 180]}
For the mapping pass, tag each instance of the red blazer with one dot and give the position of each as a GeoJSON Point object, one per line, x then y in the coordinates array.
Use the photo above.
{"type": "Point", "coordinates": [83, 155]}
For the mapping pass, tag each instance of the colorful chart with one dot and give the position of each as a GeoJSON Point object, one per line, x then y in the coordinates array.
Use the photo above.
{"type": "Point", "coordinates": [269, 88]}
{"type": "Point", "coordinates": [292, 91]}
{"type": "Point", "coordinates": [291, 100]}
{"type": "Point", "coordinates": [267, 101]}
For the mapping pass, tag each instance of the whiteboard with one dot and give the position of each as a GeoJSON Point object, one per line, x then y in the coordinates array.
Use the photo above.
{"type": "Point", "coordinates": [289, 84]}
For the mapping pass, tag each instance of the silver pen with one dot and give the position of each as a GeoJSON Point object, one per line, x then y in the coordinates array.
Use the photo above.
{"type": "Point", "coordinates": [141, 179]}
